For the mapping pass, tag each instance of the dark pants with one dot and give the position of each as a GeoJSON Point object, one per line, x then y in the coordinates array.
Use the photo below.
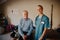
{"type": "Point", "coordinates": [28, 37]}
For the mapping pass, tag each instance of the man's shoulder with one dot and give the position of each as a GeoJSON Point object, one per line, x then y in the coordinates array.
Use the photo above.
{"type": "Point", "coordinates": [29, 19]}
{"type": "Point", "coordinates": [45, 17]}
{"type": "Point", "coordinates": [21, 19]}
{"type": "Point", "coordinates": [36, 17]}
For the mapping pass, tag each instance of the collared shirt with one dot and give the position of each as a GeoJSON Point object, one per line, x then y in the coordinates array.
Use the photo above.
{"type": "Point", "coordinates": [26, 26]}
{"type": "Point", "coordinates": [41, 23]}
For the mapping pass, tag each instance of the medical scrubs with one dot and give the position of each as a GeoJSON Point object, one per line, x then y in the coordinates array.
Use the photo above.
{"type": "Point", "coordinates": [41, 23]}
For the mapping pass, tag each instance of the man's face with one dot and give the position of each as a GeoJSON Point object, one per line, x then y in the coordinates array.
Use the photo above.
{"type": "Point", "coordinates": [25, 15]}
{"type": "Point", "coordinates": [40, 10]}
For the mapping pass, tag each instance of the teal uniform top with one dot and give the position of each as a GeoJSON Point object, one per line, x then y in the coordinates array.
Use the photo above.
{"type": "Point", "coordinates": [41, 23]}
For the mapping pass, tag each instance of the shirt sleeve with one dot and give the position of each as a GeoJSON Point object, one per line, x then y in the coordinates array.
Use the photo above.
{"type": "Point", "coordinates": [47, 24]}
{"type": "Point", "coordinates": [20, 29]}
{"type": "Point", "coordinates": [31, 28]}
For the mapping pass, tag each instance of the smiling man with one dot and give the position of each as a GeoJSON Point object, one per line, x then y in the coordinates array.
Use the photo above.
{"type": "Point", "coordinates": [42, 24]}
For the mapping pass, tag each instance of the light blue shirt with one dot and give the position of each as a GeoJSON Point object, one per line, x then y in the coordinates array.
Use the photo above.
{"type": "Point", "coordinates": [25, 25]}
{"type": "Point", "coordinates": [41, 23]}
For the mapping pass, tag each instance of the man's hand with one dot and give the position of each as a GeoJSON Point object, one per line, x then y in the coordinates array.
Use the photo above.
{"type": "Point", "coordinates": [25, 37]}
{"type": "Point", "coordinates": [41, 38]}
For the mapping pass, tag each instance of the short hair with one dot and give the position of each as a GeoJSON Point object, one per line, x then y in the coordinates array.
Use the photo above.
{"type": "Point", "coordinates": [25, 11]}
{"type": "Point", "coordinates": [40, 6]}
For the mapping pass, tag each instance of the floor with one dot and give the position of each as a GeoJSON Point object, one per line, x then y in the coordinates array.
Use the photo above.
{"type": "Point", "coordinates": [6, 37]}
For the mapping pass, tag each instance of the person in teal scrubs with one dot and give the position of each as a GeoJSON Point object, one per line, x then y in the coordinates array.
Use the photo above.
{"type": "Point", "coordinates": [42, 24]}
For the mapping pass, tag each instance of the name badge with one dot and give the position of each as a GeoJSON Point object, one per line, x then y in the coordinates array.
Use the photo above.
{"type": "Point", "coordinates": [42, 22]}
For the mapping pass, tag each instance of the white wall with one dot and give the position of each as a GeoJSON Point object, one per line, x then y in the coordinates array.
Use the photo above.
{"type": "Point", "coordinates": [19, 5]}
